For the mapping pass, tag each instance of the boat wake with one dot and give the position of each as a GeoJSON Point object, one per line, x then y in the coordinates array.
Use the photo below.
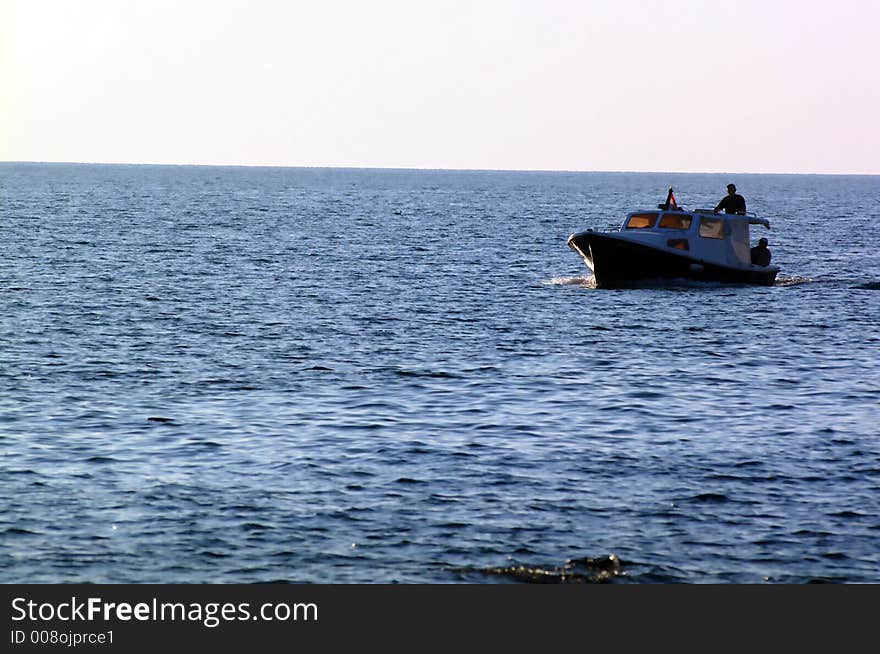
{"type": "Point", "coordinates": [580, 280]}
{"type": "Point", "coordinates": [792, 281]}
{"type": "Point", "coordinates": [588, 281]}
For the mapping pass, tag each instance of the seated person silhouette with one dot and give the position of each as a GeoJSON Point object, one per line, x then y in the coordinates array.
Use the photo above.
{"type": "Point", "coordinates": [761, 254]}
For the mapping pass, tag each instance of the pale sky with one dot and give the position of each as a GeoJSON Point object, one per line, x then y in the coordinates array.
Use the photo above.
{"type": "Point", "coordinates": [633, 85]}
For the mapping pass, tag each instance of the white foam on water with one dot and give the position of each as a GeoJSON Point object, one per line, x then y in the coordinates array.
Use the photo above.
{"type": "Point", "coordinates": [792, 281]}
{"type": "Point", "coordinates": [579, 280]}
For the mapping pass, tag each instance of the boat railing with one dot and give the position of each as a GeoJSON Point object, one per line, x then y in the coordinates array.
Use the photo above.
{"type": "Point", "coordinates": [751, 214]}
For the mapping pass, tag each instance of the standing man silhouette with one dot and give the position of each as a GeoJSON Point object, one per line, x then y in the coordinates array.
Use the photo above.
{"type": "Point", "coordinates": [733, 202]}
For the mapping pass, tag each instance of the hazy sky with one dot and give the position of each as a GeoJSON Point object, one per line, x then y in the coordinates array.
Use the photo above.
{"type": "Point", "coordinates": [679, 85]}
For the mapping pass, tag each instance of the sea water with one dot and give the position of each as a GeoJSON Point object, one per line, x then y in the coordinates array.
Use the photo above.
{"type": "Point", "coordinates": [216, 374]}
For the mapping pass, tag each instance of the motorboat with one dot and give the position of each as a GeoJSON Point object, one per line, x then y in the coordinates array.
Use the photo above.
{"type": "Point", "coordinates": [670, 243]}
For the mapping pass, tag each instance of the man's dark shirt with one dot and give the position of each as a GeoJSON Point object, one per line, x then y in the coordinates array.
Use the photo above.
{"type": "Point", "coordinates": [760, 255]}
{"type": "Point", "coordinates": [732, 204]}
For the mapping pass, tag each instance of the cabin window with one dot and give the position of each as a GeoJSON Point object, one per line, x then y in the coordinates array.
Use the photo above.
{"type": "Point", "coordinates": [711, 227]}
{"type": "Point", "coordinates": [641, 220]}
{"type": "Point", "coordinates": [678, 243]}
{"type": "Point", "coordinates": [675, 221]}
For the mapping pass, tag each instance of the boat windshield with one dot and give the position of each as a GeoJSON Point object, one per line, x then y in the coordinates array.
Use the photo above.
{"type": "Point", "coordinates": [641, 220]}
{"type": "Point", "coordinates": [675, 221]}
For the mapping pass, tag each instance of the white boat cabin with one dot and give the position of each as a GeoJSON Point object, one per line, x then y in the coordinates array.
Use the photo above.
{"type": "Point", "coordinates": [701, 233]}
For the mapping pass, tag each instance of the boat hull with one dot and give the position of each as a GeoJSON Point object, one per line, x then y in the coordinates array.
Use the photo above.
{"type": "Point", "coordinates": [618, 262]}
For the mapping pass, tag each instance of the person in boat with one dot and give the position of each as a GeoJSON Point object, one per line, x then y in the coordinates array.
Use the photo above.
{"type": "Point", "coordinates": [733, 202]}
{"type": "Point", "coordinates": [761, 253]}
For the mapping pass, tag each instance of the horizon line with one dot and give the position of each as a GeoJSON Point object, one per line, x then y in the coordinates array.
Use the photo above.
{"type": "Point", "coordinates": [426, 168]}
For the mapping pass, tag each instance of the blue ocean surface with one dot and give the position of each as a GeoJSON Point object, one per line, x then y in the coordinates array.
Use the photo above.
{"type": "Point", "coordinates": [216, 374]}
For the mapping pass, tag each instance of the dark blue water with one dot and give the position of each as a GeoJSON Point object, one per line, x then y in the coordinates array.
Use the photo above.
{"type": "Point", "coordinates": [242, 375]}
